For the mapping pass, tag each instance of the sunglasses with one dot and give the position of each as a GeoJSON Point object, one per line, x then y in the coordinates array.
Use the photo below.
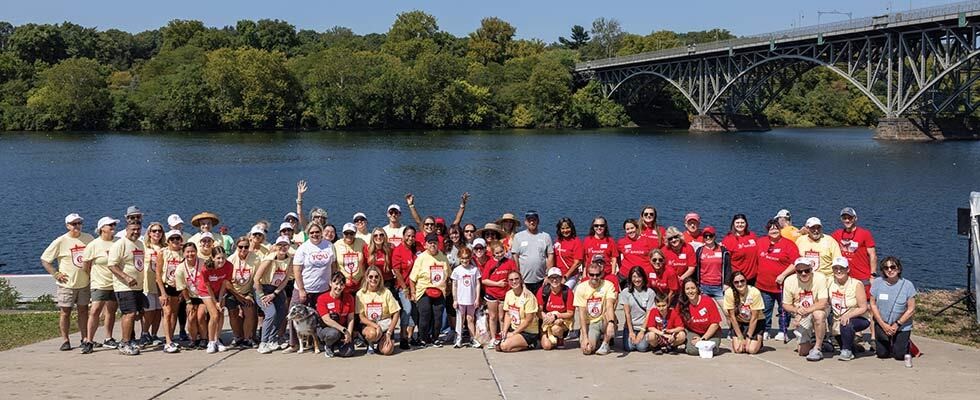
{"type": "Point", "coordinates": [174, 239]}
{"type": "Point", "coordinates": [156, 230]}
{"type": "Point", "coordinates": [846, 217]}
{"type": "Point", "coordinates": [468, 231]}
{"type": "Point", "coordinates": [599, 226]}
{"type": "Point", "coordinates": [348, 233]}
{"type": "Point", "coordinates": [77, 223]}
{"type": "Point", "coordinates": [479, 248]}
{"type": "Point", "coordinates": [739, 282]}
{"type": "Point", "coordinates": [378, 235]}
{"type": "Point", "coordinates": [242, 247]}
{"type": "Point", "coordinates": [360, 220]}
{"type": "Point", "coordinates": [889, 267]}
{"type": "Point", "coordinates": [804, 271]}
{"type": "Point", "coordinates": [315, 232]}
{"type": "Point", "coordinates": [394, 212]}
{"type": "Point", "coordinates": [649, 214]}
{"type": "Point", "coordinates": [464, 259]}
{"type": "Point", "coordinates": [657, 260]}
{"type": "Point", "coordinates": [599, 275]}
{"type": "Point", "coordinates": [708, 235]}
{"type": "Point", "coordinates": [429, 224]}
{"type": "Point", "coordinates": [373, 277]}
{"type": "Point", "coordinates": [673, 238]}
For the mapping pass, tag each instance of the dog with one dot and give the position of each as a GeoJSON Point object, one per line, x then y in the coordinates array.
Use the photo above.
{"type": "Point", "coordinates": [305, 319]}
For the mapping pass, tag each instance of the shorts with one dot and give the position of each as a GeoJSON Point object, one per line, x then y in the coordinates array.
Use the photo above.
{"type": "Point", "coordinates": [153, 302]}
{"type": "Point", "coordinates": [103, 295]}
{"type": "Point", "coordinates": [490, 297]}
{"type": "Point", "coordinates": [73, 297]}
{"type": "Point", "coordinates": [533, 287]}
{"type": "Point", "coordinates": [804, 329]}
{"type": "Point", "coordinates": [691, 349]}
{"type": "Point", "coordinates": [196, 301]}
{"type": "Point", "coordinates": [385, 324]}
{"type": "Point", "coordinates": [464, 310]}
{"type": "Point", "coordinates": [597, 331]}
{"type": "Point", "coordinates": [289, 288]}
{"type": "Point", "coordinates": [231, 302]}
{"type": "Point", "coordinates": [531, 339]}
{"type": "Point", "coordinates": [131, 301]}
{"type": "Point", "coordinates": [171, 291]}
{"type": "Point", "coordinates": [759, 328]}
{"type": "Point", "coordinates": [713, 291]}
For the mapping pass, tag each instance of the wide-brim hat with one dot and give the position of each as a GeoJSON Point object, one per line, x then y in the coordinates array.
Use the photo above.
{"type": "Point", "coordinates": [490, 227]}
{"type": "Point", "coordinates": [508, 217]}
{"type": "Point", "coordinates": [196, 221]}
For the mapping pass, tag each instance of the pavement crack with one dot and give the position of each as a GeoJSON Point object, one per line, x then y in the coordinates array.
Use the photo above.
{"type": "Point", "coordinates": [792, 371]}
{"type": "Point", "coordinates": [496, 380]}
{"type": "Point", "coordinates": [182, 381]}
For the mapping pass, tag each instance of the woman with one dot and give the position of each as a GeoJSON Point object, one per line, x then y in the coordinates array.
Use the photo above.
{"type": "Point", "coordinates": [743, 304]}
{"type": "Point", "coordinates": [469, 233]}
{"type": "Point", "coordinates": [637, 300]}
{"type": "Point", "coordinates": [95, 260]}
{"type": "Point", "coordinates": [402, 260]}
{"type": "Point", "coordinates": [311, 267]}
{"type": "Point", "coordinates": [206, 249]}
{"type": "Point", "coordinates": [336, 310]}
{"type": "Point", "coordinates": [330, 233]}
{"type": "Point", "coordinates": [241, 300]}
{"type": "Point", "coordinates": [569, 251]}
{"type": "Point", "coordinates": [649, 228]}
{"type": "Point", "coordinates": [495, 288]}
{"type": "Point", "coordinates": [692, 230]}
{"type": "Point", "coordinates": [256, 241]}
{"type": "Point", "coordinates": [697, 318]}
{"type": "Point", "coordinates": [634, 249]}
{"type": "Point", "coordinates": [893, 306]}
{"type": "Point", "coordinates": [776, 256]}
{"type": "Point", "coordinates": [741, 243]}
{"type": "Point", "coordinates": [269, 287]}
{"type": "Point", "coordinates": [662, 279]}
{"type": "Point", "coordinates": [600, 242]}
{"type": "Point", "coordinates": [680, 255]}
{"type": "Point", "coordinates": [379, 313]}
{"type": "Point", "coordinates": [491, 233]}
{"type": "Point", "coordinates": [427, 285]}
{"type": "Point", "coordinates": [480, 254]}
{"type": "Point", "coordinates": [849, 306]}
{"type": "Point", "coordinates": [712, 264]}
{"type": "Point", "coordinates": [508, 224]}
{"type": "Point", "coordinates": [186, 279]}
{"type": "Point", "coordinates": [212, 284]}
{"type": "Point", "coordinates": [556, 304]}
{"type": "Point", "coordinates": [351, 258]}
{"type": "Point", "coordinates": [169, 260]}
{"type": "Point", "coordinates": [455, 242]}
{"type": "Point", "coordinates": [153, 244]}
{"type": "Point", "coordinates": [521, 318]}
{"type": "Point", "coordinates": [380, 256]}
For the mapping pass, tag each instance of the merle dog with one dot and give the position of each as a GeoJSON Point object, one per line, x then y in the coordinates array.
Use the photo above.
{"type": "Point", "coordinates": [305, 320]}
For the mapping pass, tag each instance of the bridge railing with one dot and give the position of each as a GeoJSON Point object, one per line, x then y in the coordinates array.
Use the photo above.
{"type": "Point", "coordinates": [754, 40]}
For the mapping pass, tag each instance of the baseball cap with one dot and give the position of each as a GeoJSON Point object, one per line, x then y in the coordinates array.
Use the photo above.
{"type": "Point", "coordinates": [73, 217]}
{"type": "Point", "coordinates": [813, 221]}
{"type": "Point", "coordinates": [174, 220]}
{"type": "Point", "coordinates": [133, 210]}
{"type": "Point", "coordinates": [106, 221]}
{"type": "Point", "coordinates": [285, 225]}
{"type": "Point", "coordinates": [358, 215]}
{"type": "Point", "coordinates": [709, 230]}
{"type": "Point", "coordinates": [349, 227]}
{"type": "Point", "coordinates": [840, 261]}
{"type": "Point", "coordinates": [479, 242]}
{"type": "Point", "coordinates": [257, 229]}
{"type": "Point", "coordinates": [531, 214]}
{"type": "Point", "coordinates": [848, 211]}
{"type": "Point", "coordinates": [554, 271]}
{"type": "Point", "coordinates": [692, 215]}
{"type": "Point", "coordinates": [440, 221]}
{"type": "Point", "coordinates": [291, 214]}
{"type": "Point", "coordinates": [282, 239]}
{"type": "Point", "coordinates": [598, 259]}
{"type": "Point", "coordinates": [432, 237]}
{"type": "Point", "coordinates": [205, 235]}
{"type": "Point", "coordinates": [173, 232]}
{"type": "Point", "coordinates": [803, 261]}
{"type": "Point", "coordinates": [784, 213]}
{"type": "Point", "coordinates": [394, 207]}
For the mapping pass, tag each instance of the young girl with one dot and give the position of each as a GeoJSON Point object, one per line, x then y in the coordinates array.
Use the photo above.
{"type": "Point", "coordinates": [466, 299]}
{"type": "Point", "coordinates": [212, 285]}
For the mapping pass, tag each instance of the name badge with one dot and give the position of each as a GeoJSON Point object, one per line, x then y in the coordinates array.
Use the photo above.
{"type": "Point", "coordinates": [776, 251]}
{"type": "Point", "coordinates": [682, 256]}
{"type": "Point", "coordinates": [702, 311]}
{"type": "Point", "coordinates": [524, 243]}
{"type": "Point", "coordinates": [883, 296]}
{"type": "Point", "coordinates": [603, 246]}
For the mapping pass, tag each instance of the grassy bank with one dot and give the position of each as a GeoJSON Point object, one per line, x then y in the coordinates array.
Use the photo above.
{"type": "Point", "coordinates": [23, 328]}
{"type": "Point", "coordinates": [955, 325]}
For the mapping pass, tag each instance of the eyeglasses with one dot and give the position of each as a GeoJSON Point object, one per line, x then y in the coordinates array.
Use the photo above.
{"type": "Point", "coordinates": [846, 217]}
{"type": "Point", "coordinates": [657, 260]}
{"type": "Point", "coordinates": [468, 231]}
{"type": "Point", "coordinates": [156, 230]}
{"type": "Point", "coordinates": [499, 255]}
{"type": "Point", "coordinates": [360, 220]}
{"type": "Point", "coordinates": [315, 232]}
{"type": "Point", "coordinates": [286, 230]}
{"type": "Point", "coordinates": [889, 267]}
{"type": "Point", "coordinates": [78, 223]}
{"type": "Point", "coordinates": [513, 279]}
{"type": "Point", "coordinates": [673, 238]}
{"type": "Point", "coordinates": [804, 271]}
{"type": "Point", "coordinates": [429, 224]}
{"type": "Point", "coordinates": [242, 247]}
{"type": "Point", "coordinates": [203, 241]}
{"type": "Point", "coordinates": [174, 239]}
{"type": "Point", "coordinates": [348, 233]}
{"type": "Point", "coordinates": [394, 212]}
{"type": "Point", "coordinates": [739, 282]}
{"type": "Point", "coordinates": [692, 222]}
{"type": "Point", "coordinates": [649, 214]}
{"type": "Point", "coordinates": [708, 235]}
{"type": "Point", "coordinates": [598, 275]}
{"type": "Point", "coordinates": [479, 248]}
{"type": "Point", "coordinates": [597, 226]}
{"type": "Point", "coordinates": [378, 235]}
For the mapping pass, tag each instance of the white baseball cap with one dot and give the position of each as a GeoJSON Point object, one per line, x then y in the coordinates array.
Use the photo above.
{"type": "Point", "coordinates": [174, 220]}
{"type": "Point", "coordinates": [394, 207]}
{"type": "Point", "coordinates": [479, 242]}
{"type": "Point", "coordinates": [173, 232]}
{"type": "Point", "coordinates": [813, 221]}
{"type": "Point", "coordinates": [73, 217]}
{"type": "Point", "coordinates": [784, 213]}
{"type": "Point", "coordinates": [291, 214]}
{"type": "Point", "coordinates": [554, 271]}
{"type": "Point", "coordinates": [205, 235]}
{"type": "Point", "coordinates": [282, 239]}
{"type": "Point", "coordinates": [349, 227]}
{"type": "Point", "coordinates": [803, 261]}
{"type": "Point", "coordinates": [285, 225]}
{"type": "Point", "coordinates": [106, 221]}
{"type": "Point", "coordinates": [257, 229]}
{"type": "Point", "coordinates": [358, 215]}
{"type": "Point", "coordinates": [840, 261]}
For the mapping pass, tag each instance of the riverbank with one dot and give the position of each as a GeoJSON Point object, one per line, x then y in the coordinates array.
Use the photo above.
{"type": "Point", "coordinates": [955, 325]}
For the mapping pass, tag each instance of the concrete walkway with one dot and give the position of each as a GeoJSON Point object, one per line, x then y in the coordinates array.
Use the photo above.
{"type": "Point", "coordinates": [946, 371]}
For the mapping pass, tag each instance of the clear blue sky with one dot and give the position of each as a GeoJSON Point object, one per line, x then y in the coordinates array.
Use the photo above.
{"type": "Point", "coordinates": [544, 20]}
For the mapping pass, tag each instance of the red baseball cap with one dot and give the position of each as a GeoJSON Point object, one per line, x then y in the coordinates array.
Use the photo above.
{"type": "Point", "coordinates": [709, 230]}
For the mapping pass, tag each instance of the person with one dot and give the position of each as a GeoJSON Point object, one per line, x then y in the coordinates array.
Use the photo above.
{"type": "Point", "coordinates": [533, 252]}
{"type": "Point", "coordinates": [133, 216]}
{"type": "Point", "coordinates": [658, 324]}
{"type": "Point", "coordinates": [379, 254]}
{"type": "Point", "coordinates": [712, 264]}
{"type": "Point", "coordinates": [857, 245]}
{"type": "Point", "coordinates": [776, 256]}
{"type": "Point", "coordinates": [427, 285]}
{"type": "Point", "coordinates": [744, 306]}
{"type": "Point", "coordinates": [662, 279]}
{"type": "Point", "coordinates": [849, 308]}
{"type": "Point", "coordinates": [569, 251]}
{"type": "Point", "coordinates": [692, 230]}
{"type": "Point", "coordinates": [95, 260]}
{"type": "Point", "coordinates": [679, 254]}
{"type": "Point", "coordinates": [786, 228]}
{"type": "Point", "coordinates": [154, 244]}
{"type": "Point", "coordinates": [177, 224]}
{"type": "Point", "coordinates": [330, 233]}
{"type": "Point", "coordinates": [213, 282]}
{"type": "Point", "coordinates": [126, 263]}
{"type": "Point", "coordinates": [256, 241]}
{"type": "Point", "coordinates": [361, 223]}
{"type": "Point", "coordinates": [402, 260]}
{"type": "Point", "coordinates": [595, 303]}
{"type": "Point", "coordinates": [508, 225]}
{"type": "Point", "coordinates": [269, 287]}
{"type": "Point", "coordinates": [312, 266]}
{"type": "Point", "coordinates": [186, 278]}
{"type": "Point", "coordinates": [600, 241]}
{"type": "Point", "coordinates": [741, 244]}
{"type": "Point", "coordinates": [168, 260]}
{"type": "Point", "coordinates": [378, 311]}
{"type": "Point", "coordinates": [226, 240]}
{"type": "Point", "coordinates": [634, 250]}
{"type": "Point", "coordinates": [394, 229]}
{"type": "Point", "coordinates": [466, 295]}
{"type": "Point", "coordinates": [205, 222]}
{"type": "Point", "coordinates": [297, 235]}
{"type": "Point", "coordinates": [296, 218]}
{"type": "Point", "coordinates": [410, 200]}
{"type": "Point", "coordinates": [337, 310]}
{"type": "Point", "coordinates": [696, 318]}
{"type": "Point", "coordinates": [649, 228]}
{"type": "Point", "coordinates": [521, 318]}
{"type": "Point", "coordinates": [351, 258]}
{"type": "Point", "coordinates": [70, 276]}
{"type": "Point", "coordinates": [454, 244]}
{"type": "Point", "coordinates": [480, 254]}
{"type": "Point", "coordinates": [469, 233]}
{"type": "Point", "coordinates": [317, 215]}
{"type": "Point", "coordinates": [556, 310]}
{"type": "Point", "coordinates": [805, 297]}
{"type": "Point", "coordinates": [637, 299]}
{"type": "Point", "coordinates": [206, 245]}
{"type": "Point", "coordinates": [893, 307]}
{"type": "Point", "coordinates": [819, 248]}
{"type": "Point", "coordinates": [490, 233]}
{"type": "Point", "coordinates": [494, 283]}
{"type": "Point", "coordinates": [240, 301]}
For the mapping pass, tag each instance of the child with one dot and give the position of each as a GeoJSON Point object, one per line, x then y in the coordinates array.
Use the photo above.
{"type": "Point", "coordinates": [466, 299]}
{"type": "Point", "coordinates": [657, 324]}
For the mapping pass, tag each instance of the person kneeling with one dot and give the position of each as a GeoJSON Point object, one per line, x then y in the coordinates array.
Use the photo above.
{"type": "Point", "coordinates": [379, 311]}
{"type": "Point", "coordinates": [805, 297]}
{"type": "Point", "coordinates": [744, 306]}
{"type": "Point", "coordinates": [595, 302]}
{"type": "Point", "coordinates": [556, 303]}
{"type": "Point", "coordinates": [659, 334]}
{"type": "Point", "coordinates": [698, 317]}
{"type": "Point", "coordinates": [521, 317]}
{"type": "Point", "coordinates": [336, 309]}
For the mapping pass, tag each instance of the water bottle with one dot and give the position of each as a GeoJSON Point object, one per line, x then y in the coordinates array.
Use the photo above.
{"type": "Point", "coordinates": [908, 361]}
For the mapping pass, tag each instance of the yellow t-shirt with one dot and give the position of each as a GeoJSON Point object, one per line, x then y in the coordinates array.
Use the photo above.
{"type": "Point", "coordinates": [520, 307]}
{"type": "Point", "coordinates": [150, 275]}
{"type": "Point", "coordinates": [97, 251]}
{"type": "Point", "coordinates": [790, 232]}
{"type": "Point", "coordinates": [804, 294]}
{"type": "Point", "coordinates": [350, 258]}
{"type": "Point", "coordinates": [171, 264]}
{"type": "Point", "coordinates": [129, 255]}
{"type": "Point", "coordinates": [842, 299]}
{"type": "Point", "coordinates": [594, 299]}
{"type": "Point", "coordinates": [278, 271]}
{"type": "Point", "coordinates": [822, 252]}
{"type": "Point", "coordinates": [68, 252]}
{"type": "Point", "coordinates": [243, 271]}
{"type": "Point", "coordinates": [186, 277]}
{"type": "Point", "coordinates": [751, 302]}
{"type": "Point", "coordinates": [196, 239]}
{"type": "Point", "coordinates": [377, 306]}
{"type": "Point", "coordinates": [395, 235]}
{"type": "Point", "coordinates": [429, 271]}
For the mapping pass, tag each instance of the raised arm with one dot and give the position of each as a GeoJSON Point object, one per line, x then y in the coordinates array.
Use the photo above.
{"type": "Point", "coordinates": [410, 200]}
{"type": "Point", "coordinates": [300, 189]}
{"type": "Point", "coordinates": [462, 208]}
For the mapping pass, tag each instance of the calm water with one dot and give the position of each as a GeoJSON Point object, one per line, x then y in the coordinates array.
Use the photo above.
{"type": "Point", "coordinates": [905, 193]}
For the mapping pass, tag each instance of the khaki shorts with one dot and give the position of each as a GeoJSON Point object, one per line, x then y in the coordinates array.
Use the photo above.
{"type": "Point", "coordinates": [73, 297]}
{"type": "Point", "coordinates": [103, 295]}
{"type": "Point", "coordinates": [153, 302]}
{"type": "Point", "coordinates": [597, 331]}
{"type": "Point", "coordinates": [384, 324]}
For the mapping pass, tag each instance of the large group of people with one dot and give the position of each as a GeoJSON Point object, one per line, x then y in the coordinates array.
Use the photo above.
{"type": "Point", "coordinates": [495, 285]}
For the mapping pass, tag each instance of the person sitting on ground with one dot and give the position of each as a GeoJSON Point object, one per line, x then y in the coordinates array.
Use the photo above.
{"type": "Point", "coordinates": [805, 297]}
{"type": "Point", "coordinates": [659, 336]}
{"type": "Point", "coordinates": [893, 306]}
{"type": "Point", "coordinates": [637, 300]}
{"type": "Point", "coordinates": [379, 312]}
{"type": "Point", "coordinates": [556, 303]}
{"type": "Point", "coordinates": [744, 306]}
{"type": "Point", "coordinates": [336, 309]}
{"type": "Point", "coordinates": [849, 307]}
{"type": "Point", "coordinates": [520, 317]}
{"type": "Point", "coordinates": [696, 318]}
{"type": "Point", "coordinates": [595, 303]}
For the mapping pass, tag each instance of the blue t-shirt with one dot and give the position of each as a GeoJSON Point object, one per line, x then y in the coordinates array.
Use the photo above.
{"type": "Point", "coordinates": [893, 300]}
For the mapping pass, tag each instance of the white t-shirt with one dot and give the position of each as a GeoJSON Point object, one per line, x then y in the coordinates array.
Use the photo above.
{"type": "Point", "coordinates": [465, 280]}
{"type": "Point", "coordinates": [317, 262]}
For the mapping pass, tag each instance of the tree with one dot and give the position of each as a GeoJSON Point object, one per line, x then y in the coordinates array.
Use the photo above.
{"type": "Point", "coordinates": [115, 49]}
{"type": "Point", "coordinates": [171, 94]}
{"type": "Point", "coordinates": [251, 89]}
{"type": "Point", "coordinates": [590, 109]}
{"type": "Point", "coordinates": [525, 48]}
{"type": "Point", "coordinates": [413, 25]}
{"type": "Point", "coordinates": [72, 95]}
{"type": "Point", "coordinates": [32, 42]}
{"type": "Point", "coordinates": [179, 33]}
{"type": "Point", "coordinates": [490, 41]}
{"type": "Point", "coordinates": [6, 29]}
{"type": "Point", "coordinates": [550, 91]}
{"type": "Point", "coordinates": [607, 34]}
{"type": "Point", "coordinates": [79, 41]}
{"type": "Point", "coordinates": [460, 105]}
{"type": "Point", "coordinates": [276, 35]}
{"type": "Point", "coordinates": [579, 38]}
{"type": "Point", "coordinates": [146, 44]}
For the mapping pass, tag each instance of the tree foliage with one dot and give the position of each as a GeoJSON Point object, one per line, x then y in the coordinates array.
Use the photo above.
{"type": "Point", "coordinates": [71, 95]}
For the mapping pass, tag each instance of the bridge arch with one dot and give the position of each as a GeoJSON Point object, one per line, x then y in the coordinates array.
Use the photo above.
{"type": "Point", "coordinates": [665, 78]}
{"type": "Point", "coordinates": [938, 78]}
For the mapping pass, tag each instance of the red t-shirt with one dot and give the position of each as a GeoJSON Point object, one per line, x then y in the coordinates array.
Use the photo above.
{"type": "Point", "coordinates": [605, 246]}
{"type": "Point", "coordinates": [745, 258]}
{"type": "Point", "coordinates": [567, 252]}
{"type": "Point", "coordinates": [555, 302]}
{"type": "Point", "coordinates": [494, 273]}
{"type": "Point", "coordinates": [658, 237]}
{"type": "Point", "coordinates": [379, 261]}
{"type": "Point", "coordinates": [343, 307]}
{"type": "Point", "coordinates": [656, 320]}
{"type": "Point", "coordinates": [854, 247]}
{"type": "Point", "coordinates": [663, 281]}
{"type": "Point", "coordinates": [692, 238]}
{"type": "Point", "coordinates": [213, 278]}
{"type": "Point", "coordinates": [773, 260]}
{"type": "Point", "coordinates": [711, 266]}
{"type": "Point", "coordinates": [635, 253]}
{"type": "Point", "coordinates": [703, 315]}
{"type": "Point", "coordinates": [613, 279]}
{"type": "Point", "coordinates": [420, 239]}
{"type": "Point", "coordinates": [402, 260]}
{"type": "Point", "coordinates": [680, 261]}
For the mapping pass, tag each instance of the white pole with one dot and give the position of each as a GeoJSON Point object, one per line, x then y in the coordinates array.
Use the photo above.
{"type": "Point", "coordinates": [975, 240]}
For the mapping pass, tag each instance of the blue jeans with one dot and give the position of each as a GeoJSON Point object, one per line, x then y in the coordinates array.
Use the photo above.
{"type": "Point", "coordinates": [713, 291]}
{"type": "Point", "coordinates": [628, 346]}
{"type": "Point", "coordinates": [772, 301]}
{"type": "Point", "coordinates": [275, 313]}
{"type": "Point", "coordinates": [406, 318]}
{"type": "Point", "coordinates": [847, 332]}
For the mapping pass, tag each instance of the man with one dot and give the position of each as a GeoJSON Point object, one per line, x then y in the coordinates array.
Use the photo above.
{"type": "Point", "coordinates": [126, 264]}
{"type": "Point", "coordinates": [595, 303]}
{"type": "Point", "coordinates": [394, 230]}
{"type": "Point", "coordinates": [786, 227]}
{"type": "Point", "coordinates": [692, 233]}
{"type": "Point", "coordinates": [133, 215]}
{"type": "Point", "coordinates": [71, 277]}
{"type": "Point", "coordinates": [858, 247]}
{"type": "Point", "coordinates": [819, 248]}
{"type": "Point", "coordinates": [351, 258]}
{"type": "Point", "coordinates": [533, 252]}
{"type": "Point", "coordinates": [361, 223]}
{"type": "Point", "coordinates": [205, 221]}
{"type": "Point", "coordinates": [805, 297]}
{"type": "Point", "coordinates": [176, 223]}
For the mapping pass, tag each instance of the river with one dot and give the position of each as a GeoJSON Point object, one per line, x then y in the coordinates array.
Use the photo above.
{"type": "Point", "coordinates": [905, 193]}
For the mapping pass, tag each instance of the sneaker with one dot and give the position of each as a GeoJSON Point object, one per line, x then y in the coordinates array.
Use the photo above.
{"type": "Point", "coordinates": [573, 334]}
{"type": "Point", "coordinates": [212, 347]}
{"type": "Point", "coordinates": [171, 348]}
{"type": "Point", "coordinates": [359, 341]}
{"type": "Point", "coordinates": [65, 346]}
{"type": "Point", "coordinates": [458, 342]}
{"type": "Point", "coordinates": [283, 345]}
{"type": "Point", "coordinates": [858, 349]}
{"type": "Point", "coordinates": [202, 344]}
{"type": "Point", "coordinates": [144, 340]}
{"type": "Point", "coordinates": [183, 337]}
{"type": "Point", "coordinates": [765, 335]}
{"type": "Point", "coordinates": [129, 349]}
{"type": "Point", "coordinates": [157, 341]}
{"type": "Point", "coordinates": [248, 344]}
{"type": "Point", "coordinates": [370, 349]}
{"type": "Point", "coordinates": [814, 355]}
{"type": "Point", "coordinates": [328, 352]}
{"type": "Point", "coordinates": [221, 346]}
{"type": "Point", "coordinates": [475, 344]}
{"type": "Point", "coordinates": [288, 349]}
{"type": "Point", "coordinates": [827, 347]}
{"type": "Point", "coordinates": [266, 348]}
{"type": "Point", "coordinates": [560, 343]}
{"type": "Point", "coordinates": [97, 345]}
{"type": "Point", "coordinates": [437, 343]}
{"type": "Point", "coordinates": [403, 344]}
{"type": "Point", "coordinates": [86, 347]}
{"type": "Point", "coordinates": [603, 349]}
{"type": "Point", "coordinates": [780, 336]}
{"type": "Point", "coordinates": [493, 344]}
{"type": "Point", "coordinates": [416, 343]}
{"type": "Point", "coordinates": [845, 355]}
{"type": "Point", "coordinates": [110, 343]}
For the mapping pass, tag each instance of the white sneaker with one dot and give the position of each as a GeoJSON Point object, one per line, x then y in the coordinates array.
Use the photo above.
{"type": "Point", "coordinates": [265, 348]}
{"type": "Point", "coordinates": [283, 346]}
{"type": "Point", "coordinates": [603, 349]}
{"type": "Point", "coordinates": [475, 344]}
{"type": "Point", "coordinates": [780, 336]}
{"type": "Point", "coordinates": [221, 347]}
{"type": "Point", "coordinates": [171, 348]}
{"type": "Point", "coordinates": [458, 342]}
{"type": "Point", "coordinates": [212, 347]}
{"type": "Point", "coordinates": [288, 349]}
{"type": "Point", "coordinates": [765, 336]}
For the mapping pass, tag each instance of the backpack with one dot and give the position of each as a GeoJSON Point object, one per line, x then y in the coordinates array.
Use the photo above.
{"type": "Point", "coordinates": [546, 294]}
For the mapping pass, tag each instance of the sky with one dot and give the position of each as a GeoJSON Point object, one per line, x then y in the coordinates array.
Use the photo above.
{"type": "Point", "coordinates": [541, 19]}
